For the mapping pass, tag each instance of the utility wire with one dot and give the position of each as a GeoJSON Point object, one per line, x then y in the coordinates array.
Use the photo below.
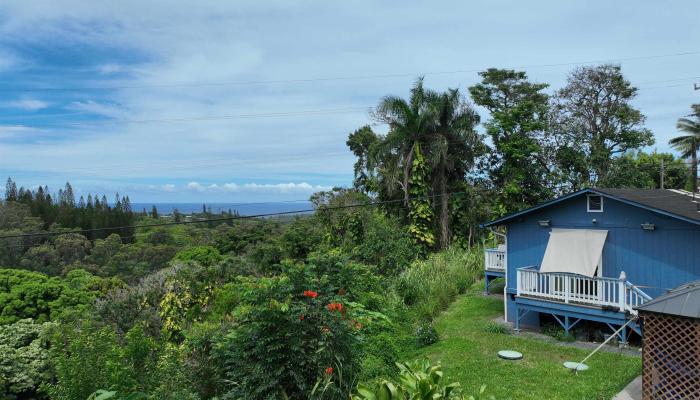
{"type": "Point", "coordinates": [336, 78]}
{"type": "Point", "coordinates": [305, 211]}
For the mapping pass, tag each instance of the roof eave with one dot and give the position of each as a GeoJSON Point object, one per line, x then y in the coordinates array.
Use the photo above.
{"type": "Point", "coordinates": [502, 220]}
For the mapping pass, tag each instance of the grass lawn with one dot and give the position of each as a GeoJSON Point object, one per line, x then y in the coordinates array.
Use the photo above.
{"type": "Point", "coordinates": [468, 356]}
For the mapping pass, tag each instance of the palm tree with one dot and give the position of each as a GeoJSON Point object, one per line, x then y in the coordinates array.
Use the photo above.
{"type": "Point", "coordinates": [453, 146]}
{"type": "Point", "coordinates": [409, 124]}
{"type": "Point", "coordinates": [688, 144]}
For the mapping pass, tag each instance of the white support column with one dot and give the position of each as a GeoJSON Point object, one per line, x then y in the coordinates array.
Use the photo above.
{"type": "Point", "coordinates": [622, 291]}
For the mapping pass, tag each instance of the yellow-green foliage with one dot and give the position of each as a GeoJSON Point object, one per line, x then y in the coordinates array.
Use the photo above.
{"type": "Point", "coordinates": [430, 285]}
{"type": "Point", "coordinates": [181, 304]}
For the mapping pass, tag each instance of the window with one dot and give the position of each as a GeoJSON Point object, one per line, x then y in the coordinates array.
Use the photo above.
{"type": "Point", "coordinates": [595, 203]}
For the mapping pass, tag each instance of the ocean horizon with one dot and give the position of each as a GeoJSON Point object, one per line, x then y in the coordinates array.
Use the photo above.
{"type": "Point", "coordinates": [217, 208]}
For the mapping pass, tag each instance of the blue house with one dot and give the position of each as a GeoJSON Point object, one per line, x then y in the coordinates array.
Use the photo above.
{"type": "Point", "coordinates": [595, 255]}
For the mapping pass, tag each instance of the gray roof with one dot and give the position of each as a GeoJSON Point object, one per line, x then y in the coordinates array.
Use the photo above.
{"type": "Point", "coordinates": [674, 202]}
{"type": "Point", "coordinates": [682, 301]}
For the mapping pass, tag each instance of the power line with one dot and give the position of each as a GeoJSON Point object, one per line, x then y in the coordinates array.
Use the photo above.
{"type": "Point", "coordinates": [327, 79]}
{"type": "Point", "coordinates": [216, 117]}
{"type": "Point", "coordinates": [306, 211]}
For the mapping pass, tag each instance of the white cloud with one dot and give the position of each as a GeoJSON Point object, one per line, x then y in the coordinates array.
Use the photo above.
{"type": "Point", "coordinates": [110, 68]}
{"type": "Point", "coordinates": [94, 107]}
{"type": "Point", "coordinates": [12, 131]}
{"type": "Point", "coordinates": [9, 61]}
{"type": "Point", "coordinates": [195, 186]}
{"type": "Point", "coordinates": [290, 187]}
{"type": "Point", "coordinates": [149, 47]}
{"type": "Point", "coordinates": [29, 104]}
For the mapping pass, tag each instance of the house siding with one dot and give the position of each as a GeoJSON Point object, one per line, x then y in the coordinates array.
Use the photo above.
{"type": "Point", "coordinates": [656, 260]}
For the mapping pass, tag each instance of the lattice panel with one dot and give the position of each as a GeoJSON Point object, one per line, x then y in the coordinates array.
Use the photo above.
{"type": "Point", "coordinates": [671, 358]}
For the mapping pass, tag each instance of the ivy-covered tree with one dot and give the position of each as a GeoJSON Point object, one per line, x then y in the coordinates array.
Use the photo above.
{"type": "Point", "coordinates": [420, 212]}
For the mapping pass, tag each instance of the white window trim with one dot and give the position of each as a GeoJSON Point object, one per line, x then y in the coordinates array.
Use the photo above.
{"type": "Point", "coordinates": [588, 203]}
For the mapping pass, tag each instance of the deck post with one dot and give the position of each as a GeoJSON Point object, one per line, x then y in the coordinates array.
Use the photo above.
{"type": "Point", "coordinates": [622, 291]}
{"type": "Point", "coordinates": [517, 318]}
{"type": "Point", "coordinates": [623, 338]}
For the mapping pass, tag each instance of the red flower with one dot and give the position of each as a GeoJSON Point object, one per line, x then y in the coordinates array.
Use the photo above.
{"type": "Point", "coordinates": [301, 318]}
{"type": "Point", "coordinates": [310, 293]}
{"type": "Point", "coordinates": [335, 307]}
{"type": "Point", "coordinates": [329, 371]}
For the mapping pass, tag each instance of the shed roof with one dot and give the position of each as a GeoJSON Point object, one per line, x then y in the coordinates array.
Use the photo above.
{"type": "Point", "coordinates": [682, 301]}
{"type": "Point", "coordinates": [674, 203]}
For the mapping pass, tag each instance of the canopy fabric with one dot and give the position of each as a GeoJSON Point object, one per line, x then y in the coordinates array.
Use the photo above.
{"type": "Point", "coordinates": [576, 251]}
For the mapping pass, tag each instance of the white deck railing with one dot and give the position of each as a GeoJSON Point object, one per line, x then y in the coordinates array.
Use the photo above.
{"type": "Point", "coordinates": [579, 289]}
{"type": "Point", "coordinates": [495, 259]}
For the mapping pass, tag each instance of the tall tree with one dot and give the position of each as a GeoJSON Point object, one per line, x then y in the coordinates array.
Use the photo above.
{"type": "Point", "coordinates": [593, 121]}
{"type": "Point", "coordinates": [687, 144]}
{"type": "Point", "coordinates": [453, 145]}
{"type": "Point", "coordinates": [519, 166]}
{"type": "Point", "coordinates": [362, 143]}
{"type": "Point", "coordinates": [409, 122]}
{"type": "Point", "coordinates": [10, 190]}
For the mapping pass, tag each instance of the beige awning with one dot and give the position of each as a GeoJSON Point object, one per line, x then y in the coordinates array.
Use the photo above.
{"type": "Point", "coordinates": [577, 251]}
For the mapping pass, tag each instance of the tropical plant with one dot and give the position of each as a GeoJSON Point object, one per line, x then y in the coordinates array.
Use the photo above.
{"type": "Point", "coordinates": [410, 122]}
{"type": "Point", "coordinates": [688, 144]}
{"type": "Point", "coordinates": [452, 147]}
{"type": "Point", "coordinates": [418, 380]}
{"type": "Point", "coordinates": [290, 335]}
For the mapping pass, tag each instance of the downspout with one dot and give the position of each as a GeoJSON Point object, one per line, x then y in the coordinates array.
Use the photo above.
{"type": "Point", "coordinates": [505, 287]}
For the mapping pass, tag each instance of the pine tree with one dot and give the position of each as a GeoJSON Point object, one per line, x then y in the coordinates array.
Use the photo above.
{"type": "Point", "coordinates": [68, 196]}
{"type": "Point", "coordinates": [10, 190]}
{"type": "Point", "coordinates": [154, 212]}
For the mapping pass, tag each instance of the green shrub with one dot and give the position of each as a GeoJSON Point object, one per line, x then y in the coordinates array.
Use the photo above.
{"type": "Point", "coordinates": [89, 358]}
{"type": "Point", "coordinates": [288, 337]}
{"type": "Point", "coordinates": [493, 327]}
{"type": "Point", "coordinates": [204, 255]}
{"type": "Point", "coordinates": [429, 286]}
{"type": "Point", "coordinates": [426, 334]}
{"type": "Point", "coordinates": [24, 361]}
{"type": "Point", "coordinates": [558, 333]}
{"type": "Point", "coordinates": [25, 294]}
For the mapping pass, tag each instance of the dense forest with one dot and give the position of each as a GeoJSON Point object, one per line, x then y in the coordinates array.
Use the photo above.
{"type": "Point", "coordinates": [98, 301]}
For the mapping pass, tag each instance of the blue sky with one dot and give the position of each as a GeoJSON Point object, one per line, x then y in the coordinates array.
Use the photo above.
{"type": "Point", "coordinates": [228, 101]}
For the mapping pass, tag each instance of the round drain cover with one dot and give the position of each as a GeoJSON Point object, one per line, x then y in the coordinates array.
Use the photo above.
{"type": "Point", "coordinates": [575, 366]}
{"type": "Point", "coordinates": [510, 355]}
